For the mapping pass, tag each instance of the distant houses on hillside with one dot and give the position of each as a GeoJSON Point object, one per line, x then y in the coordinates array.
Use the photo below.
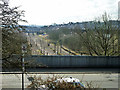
{"type": "Point", "coordinates": [70, 25]}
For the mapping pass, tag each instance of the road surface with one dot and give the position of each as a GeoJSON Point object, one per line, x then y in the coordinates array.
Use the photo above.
{"type": "Point", "coordinates": [101, 80]}
{"type": "Point", "coordinates": [39, 45]}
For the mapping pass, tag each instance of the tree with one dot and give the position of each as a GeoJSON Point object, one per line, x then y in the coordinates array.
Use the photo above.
{"type": "Point", "coordinates": [102, 40]}
{"type": "Point", "coordinates": [12, 33]}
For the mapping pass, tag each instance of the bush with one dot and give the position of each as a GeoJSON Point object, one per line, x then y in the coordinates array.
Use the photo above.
{"type": "Point", "coordinates": [55, 83]}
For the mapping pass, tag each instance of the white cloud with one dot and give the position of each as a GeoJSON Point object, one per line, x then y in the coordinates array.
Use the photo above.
{"type": "Point", "coordinates": [43, 12]}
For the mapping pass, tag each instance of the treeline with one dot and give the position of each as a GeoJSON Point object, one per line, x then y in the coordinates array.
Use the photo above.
{"type": "Point", "coordinates": [68, 38]}
{"type": "Point", "coordinates": [97, 39]}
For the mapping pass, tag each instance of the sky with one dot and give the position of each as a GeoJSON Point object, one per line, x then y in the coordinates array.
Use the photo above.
{"type": "Point", "coordinates": [47, 12]}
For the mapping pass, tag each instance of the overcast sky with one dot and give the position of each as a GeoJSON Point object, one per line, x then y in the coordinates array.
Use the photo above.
{"type": "Point", "coordinates": [46, 12]}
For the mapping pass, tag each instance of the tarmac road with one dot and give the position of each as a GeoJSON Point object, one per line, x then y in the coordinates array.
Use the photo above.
{"type": "Point", "coordinates": [40, 44]}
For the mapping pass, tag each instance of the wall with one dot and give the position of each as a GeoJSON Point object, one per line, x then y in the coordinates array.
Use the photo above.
{"type": "Point", "coordinates": [76, 61]}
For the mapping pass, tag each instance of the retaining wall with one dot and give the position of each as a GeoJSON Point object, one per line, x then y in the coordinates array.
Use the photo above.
{"type": "Point", "coordinates": [76, 61]}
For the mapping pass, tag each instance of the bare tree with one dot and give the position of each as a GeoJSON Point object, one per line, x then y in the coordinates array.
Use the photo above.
{"type": "Point", "coordinates": [102, 40]}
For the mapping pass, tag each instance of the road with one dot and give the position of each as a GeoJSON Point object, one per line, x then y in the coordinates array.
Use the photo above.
{"type": "Point", "coordinates": [105, 78]}
{"type": "Point", "coordinates": [101, 80]}
{"type": "Point", "coordinates": [40, 46]}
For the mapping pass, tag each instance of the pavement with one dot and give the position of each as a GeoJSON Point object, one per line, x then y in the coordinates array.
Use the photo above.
{"type": "Point", "coordinates": [98, 80]}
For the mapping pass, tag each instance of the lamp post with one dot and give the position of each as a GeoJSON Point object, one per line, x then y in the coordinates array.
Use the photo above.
{"type": "Point", "coordinates": [55, 47]}
{"type": "Point", "coordinates": [23, 67]}
{"type": "Point", "coordinates": [60, 45]}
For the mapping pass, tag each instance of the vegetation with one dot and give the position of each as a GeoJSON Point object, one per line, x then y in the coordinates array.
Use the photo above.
{"type": "Point", "coordinates": [97, 38]}
{"type": "Point", "coordinates": [12, 34]}
{"type": "Point", "coordinates": [37, 83]}
{"type": "Point", "coordinates": [102, 40]}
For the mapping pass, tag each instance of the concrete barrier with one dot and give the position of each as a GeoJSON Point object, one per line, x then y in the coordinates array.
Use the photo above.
{"type": "Point", "coordinates": [76, 61]}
